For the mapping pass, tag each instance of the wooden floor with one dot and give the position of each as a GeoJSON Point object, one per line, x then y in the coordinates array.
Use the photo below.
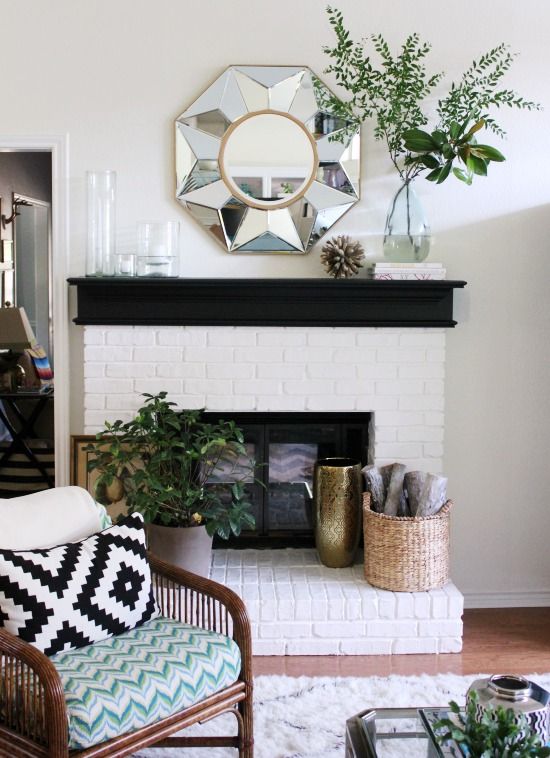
{"type": "Point", "coordinates": [510, 640]}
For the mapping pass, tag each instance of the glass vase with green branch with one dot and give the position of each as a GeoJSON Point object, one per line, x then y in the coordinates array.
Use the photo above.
{"type": "Point", "coordinates": [393, 91]}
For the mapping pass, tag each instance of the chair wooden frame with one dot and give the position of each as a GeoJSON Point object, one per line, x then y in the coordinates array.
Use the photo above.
{"type": "Point", "coordinates": [33, 714]}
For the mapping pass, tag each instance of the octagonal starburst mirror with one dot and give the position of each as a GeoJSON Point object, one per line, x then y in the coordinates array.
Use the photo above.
{"type": "Point", "coordinates": [262, 161]}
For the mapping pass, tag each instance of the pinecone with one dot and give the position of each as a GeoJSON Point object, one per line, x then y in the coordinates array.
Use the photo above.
{"type": "Point", "coordinates": [341, 257]}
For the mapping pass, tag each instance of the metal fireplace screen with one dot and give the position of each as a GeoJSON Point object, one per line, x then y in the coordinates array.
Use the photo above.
{"type": "Point", "coordinates": [285, 448]}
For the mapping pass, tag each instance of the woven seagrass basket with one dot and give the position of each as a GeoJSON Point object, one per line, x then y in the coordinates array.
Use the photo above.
{"type": "Point", "coordinates": [406, 554]}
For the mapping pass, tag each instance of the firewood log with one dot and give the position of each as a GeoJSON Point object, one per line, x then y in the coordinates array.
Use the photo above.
{"type": "Point", "coordinates": [414, 484]}
{"type": "Point", "coordinates": [433, 496]}
{"type": "Point", "coordinates": [395, 490]}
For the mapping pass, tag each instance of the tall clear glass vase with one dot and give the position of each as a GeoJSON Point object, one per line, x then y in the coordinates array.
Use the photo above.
{"type": "Point", "coordinates": [406, 234]}
{"type": "Point", "coordinates": [101, 196]}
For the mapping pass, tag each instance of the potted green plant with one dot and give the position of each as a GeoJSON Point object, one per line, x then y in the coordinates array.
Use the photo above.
{"type": "Point", "coordinates": [166, 460]}
{"type": "Point", "coordinates": [392, 90]}
{"type": "Point", "coordinates": [499, 733]}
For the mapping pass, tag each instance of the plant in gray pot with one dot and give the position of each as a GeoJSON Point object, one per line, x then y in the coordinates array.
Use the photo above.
{"type": "Point", "coordinates": [166, 460]}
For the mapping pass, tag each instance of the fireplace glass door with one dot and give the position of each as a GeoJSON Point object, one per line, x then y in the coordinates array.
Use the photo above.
{"type": "Point", "coordinates": [285, 448]}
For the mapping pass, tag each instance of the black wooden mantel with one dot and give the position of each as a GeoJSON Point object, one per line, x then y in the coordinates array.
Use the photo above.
{"type": "Point", "coordinates": [264, 302]}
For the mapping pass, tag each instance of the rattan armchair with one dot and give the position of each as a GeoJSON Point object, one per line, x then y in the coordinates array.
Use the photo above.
{"type": "Point", "coordinates": [33, 715]}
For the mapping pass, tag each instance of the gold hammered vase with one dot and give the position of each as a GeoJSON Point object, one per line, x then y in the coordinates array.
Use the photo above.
{"type": "Point", "coordinates": [337, 510]}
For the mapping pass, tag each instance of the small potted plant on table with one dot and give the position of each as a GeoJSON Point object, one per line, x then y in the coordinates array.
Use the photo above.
{"type": "Point", "coordinates": [498, 733]}
{"type": "Point", "coordinates": [165, 459]}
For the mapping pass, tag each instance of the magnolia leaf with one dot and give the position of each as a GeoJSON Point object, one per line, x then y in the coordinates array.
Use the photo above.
{"type": "Point", "coordinates": [455, 130]}
{"type": "Point", "coordinates": [439, 137]}
{"type": "Point", "coordinates": [447, 151]}
{"type": "Point", "coordinates": [463, 176]}
{"type": "Point", "coordinates": [477, 165]}
{"type": "Point", "coordinates": [475, 128]}
{"type": "Point", "coordinates": [433, 176]}
{"type": "Point", "coordinates": [418, 141]}
{"type": "Point", "coordinates": [464, 153]}
{"type": "Point", "coordinates": [488, 152]}
{"type": "Point", "coordinates": [444, 172]}
{"type": "Point", "coordinates": [429, 161]}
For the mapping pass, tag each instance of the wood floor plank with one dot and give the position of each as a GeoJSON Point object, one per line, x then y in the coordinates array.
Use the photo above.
{"type": "Point", "coordinates": [503, 640]}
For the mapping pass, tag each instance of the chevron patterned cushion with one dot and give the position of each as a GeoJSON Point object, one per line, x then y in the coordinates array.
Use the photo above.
{"type": "Point", "coordinates": [126, 682]}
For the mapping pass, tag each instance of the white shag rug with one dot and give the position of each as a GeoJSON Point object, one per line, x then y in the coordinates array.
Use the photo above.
{"type": "Point", "coordinates": [305, 717]}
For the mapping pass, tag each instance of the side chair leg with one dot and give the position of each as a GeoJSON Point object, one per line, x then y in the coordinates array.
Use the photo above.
{"type": "Point", "coordinates": [246, 726]}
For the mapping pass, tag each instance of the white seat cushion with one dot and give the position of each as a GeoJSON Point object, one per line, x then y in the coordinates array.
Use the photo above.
{"type": "Point", "coordinates": [49, 518]}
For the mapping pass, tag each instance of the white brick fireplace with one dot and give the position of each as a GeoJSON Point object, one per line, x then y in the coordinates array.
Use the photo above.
{"type": "Point", "coordinates": [396, 373]}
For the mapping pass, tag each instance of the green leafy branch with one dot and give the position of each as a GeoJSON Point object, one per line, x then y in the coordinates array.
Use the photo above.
{"type": "Point", "coordinates": [393, 93]}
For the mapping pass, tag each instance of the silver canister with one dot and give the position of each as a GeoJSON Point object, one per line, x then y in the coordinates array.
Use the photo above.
{"type": "Point", "coordinates": [519, 694]}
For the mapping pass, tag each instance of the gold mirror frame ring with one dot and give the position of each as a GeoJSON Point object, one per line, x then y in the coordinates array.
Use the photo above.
{"type": "Point", "coordinates": [231, 185]}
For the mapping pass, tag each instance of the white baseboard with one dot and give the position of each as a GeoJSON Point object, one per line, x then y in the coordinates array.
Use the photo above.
{"type": "Point", "coordinates": [528, 599]}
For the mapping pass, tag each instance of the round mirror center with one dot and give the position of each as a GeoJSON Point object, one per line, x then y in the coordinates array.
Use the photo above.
{"type": "Point", "coordinates": [268, 160]}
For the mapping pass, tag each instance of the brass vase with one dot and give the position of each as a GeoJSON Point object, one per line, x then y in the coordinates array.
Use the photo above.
{"type": "Point", "coordinates": [337, 510]}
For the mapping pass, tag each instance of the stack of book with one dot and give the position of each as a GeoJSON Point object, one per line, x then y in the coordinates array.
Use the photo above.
{"type": "Point", "coordinates": [411, 271]}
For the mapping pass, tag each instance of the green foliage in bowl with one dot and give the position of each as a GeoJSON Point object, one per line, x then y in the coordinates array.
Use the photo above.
{"type": "Point", "coordinates": [501, 732]}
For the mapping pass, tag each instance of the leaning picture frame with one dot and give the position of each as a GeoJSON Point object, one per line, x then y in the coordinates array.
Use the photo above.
{"type": "Point", "coordinates": [112, 498]}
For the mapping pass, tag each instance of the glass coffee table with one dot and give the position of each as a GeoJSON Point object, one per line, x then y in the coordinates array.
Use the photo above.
{"type": "Point", "coordinates": [395, 733]}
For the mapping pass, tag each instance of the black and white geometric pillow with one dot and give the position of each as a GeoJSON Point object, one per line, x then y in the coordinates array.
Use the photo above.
{"type": "Point", "coordinates": [72, 595]}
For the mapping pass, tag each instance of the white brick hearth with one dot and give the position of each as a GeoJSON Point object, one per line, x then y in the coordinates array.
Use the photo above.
{"type": "Point", "coordinates": [297, 605]}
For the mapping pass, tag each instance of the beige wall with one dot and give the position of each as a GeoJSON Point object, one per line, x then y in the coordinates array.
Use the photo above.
{"type": "Point", "coordinates": [114, 75]}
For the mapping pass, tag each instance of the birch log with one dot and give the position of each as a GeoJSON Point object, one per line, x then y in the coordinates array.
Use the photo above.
{"type": "Point", "coordinates": [374, 484]}
{"type": "Point", "coordinates": [433, 496]}
{"type": "Point", "coordinates": [395, 490]}
{"type": "Point", "coordinates": [414, 484]}
{"type": "Point", "coordinates": [403, 509]}
{"type": "Point", "coordinates": [386, 472]}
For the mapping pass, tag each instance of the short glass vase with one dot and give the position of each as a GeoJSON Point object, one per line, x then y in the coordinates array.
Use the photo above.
{"type": "Point", "coordinates": [406, 234]}
{"type": "Point", "coordinates": [158, 248]}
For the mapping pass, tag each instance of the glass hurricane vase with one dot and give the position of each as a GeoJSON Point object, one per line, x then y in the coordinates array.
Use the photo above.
{"type": "Point", "coordinates": [406, 234]}
{"type": "Point", "coordinates": [101, 195]}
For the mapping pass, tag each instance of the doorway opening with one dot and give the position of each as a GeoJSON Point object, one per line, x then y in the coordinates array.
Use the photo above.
{"type": "Point", "coordinates": [34, 424]}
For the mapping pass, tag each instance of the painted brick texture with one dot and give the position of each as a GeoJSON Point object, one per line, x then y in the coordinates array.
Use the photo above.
{"type": "Point", "coordinates": [395, 373]}
{"type": "Point", "coordinates": [299, 607]}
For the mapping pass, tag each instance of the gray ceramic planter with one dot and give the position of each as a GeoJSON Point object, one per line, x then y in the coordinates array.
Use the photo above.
{"type": "Point", "coordinates": [187, 547]}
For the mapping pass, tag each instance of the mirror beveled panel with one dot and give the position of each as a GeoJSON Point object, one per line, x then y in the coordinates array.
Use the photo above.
{"type": "Point", "coordinates": [262, 164]}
